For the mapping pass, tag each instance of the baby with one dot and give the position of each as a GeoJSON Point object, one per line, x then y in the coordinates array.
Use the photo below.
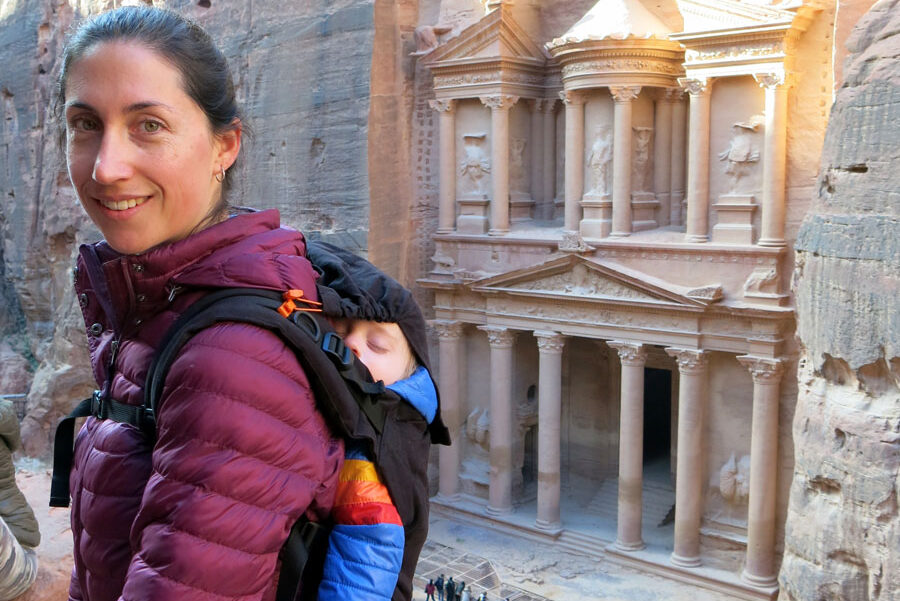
{"type": "Point", "coordinates": [371, 552]}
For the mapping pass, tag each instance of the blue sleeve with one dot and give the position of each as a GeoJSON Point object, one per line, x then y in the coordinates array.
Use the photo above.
{"type": "Point", "coordinates": [362, 563]}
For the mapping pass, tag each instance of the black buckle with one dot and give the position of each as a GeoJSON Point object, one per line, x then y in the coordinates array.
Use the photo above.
{"type": "Point", "coordinates": [314, 331]}
{"type": "Point", "coordinates": [99, 409]}
{"type": "Point", "coordinates": [340, 353]}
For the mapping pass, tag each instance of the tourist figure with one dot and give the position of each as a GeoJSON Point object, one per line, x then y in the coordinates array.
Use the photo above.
{"type": "Point", "coordinates": [429, 590]}
{"type": "Point", "coordinates": [460, 587]}
{"type": "Point", "coordinates": [439, 585]}
{"type": "Point", "coordinates": [152, 131]}
{"type": "Point", "coordinates": [465, 596]}
{"type": "Point", "coordinates": [450, 589]}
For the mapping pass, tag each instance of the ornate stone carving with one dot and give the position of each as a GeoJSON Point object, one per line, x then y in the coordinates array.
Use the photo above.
{"type": "Point", "coordinates": [695, 87]}
{"type": "Point", "coordinates": [498, 337]}
{"type": "Point", "coordinates": [770, 80]}
{"type": "Point", "coordinates": [550, 342]}
{"type": "Point", "coordinates": [621, 64]}
{"type": "Point", "coordinates": [478, 427]}
{"type": "Point", "coordinates": [690, 361]}
{"type": "Point", "coordinates": [546, 105]}
{"type": "Point", "coordinates": [573, 242]}
{"type": "Point", "coordinates": [475, 166]}
{"type": "Point", "coordinates": [584, 282]}
{"type": "Point", "coordinates": [447, 329]}
{"type": "Point", "coordinates": [673, 94]}
{"type": "Point", "coordinates": [763, 369]}
{"type": "Point", "coordinates": [742, 153]}
{"type": "Point", "coordinates": [763, 280]}
{"type": "Point", "coordinates": [517, 177]}
{"type": "Point", "coordinates": [599, 161]}
{"type": "Point", "coordinates": [624, 93]}
{"type": "Point", "coordinates": [443, 106]}
{"type": "Point", "coordinates": [570, 97]}
{"type": "Point", "coordinates": [630, 353]}
{"type": "Point", "coordinates": [734, 480]}
{"type": "Point", "coordinates": [711, 293]}
{"type": "Point", "coordinates": [640, 162]}
{"type": "Point", "coordinates": [499, 102]}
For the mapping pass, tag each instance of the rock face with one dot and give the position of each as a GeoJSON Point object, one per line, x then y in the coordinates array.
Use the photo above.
{"type": "Point", "coordinates": [842, 538]}
{"type": "Point", "coordinates": [303, 72]}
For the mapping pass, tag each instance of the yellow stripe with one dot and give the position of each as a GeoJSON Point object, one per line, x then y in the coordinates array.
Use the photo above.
{"type": "Point", "coordinates": [358, 470]}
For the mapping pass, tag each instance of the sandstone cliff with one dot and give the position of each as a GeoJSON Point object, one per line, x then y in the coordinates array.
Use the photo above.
{"type": "Point", "coordinates": [842, 539]}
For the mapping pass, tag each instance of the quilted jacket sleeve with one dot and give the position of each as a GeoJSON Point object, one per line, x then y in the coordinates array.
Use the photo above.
{"type": "Point", "coordinates": [365, 548]}
{"type": "Point", "coordinates": [241, 454]}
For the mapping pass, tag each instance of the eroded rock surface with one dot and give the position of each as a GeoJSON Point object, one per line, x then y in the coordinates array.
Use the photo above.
{"type": "Point", "coordinates": [842, 537]}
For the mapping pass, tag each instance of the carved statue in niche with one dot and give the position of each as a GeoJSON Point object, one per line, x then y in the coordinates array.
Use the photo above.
{"type": "Point", "coordinates": [742, 153]}
{"type": "Point", "coordinates": [734, 480]}
{"type": "Point", "coordinates": [599, 161]}
{"type": "Point", "coordinates": [640, 163]}
{"type": "Point", "coordinates": [426, 37]}
{"type": "Point", "coordinates": [517, 166]}
{"type": "Point", "coordinates": [475, 166]}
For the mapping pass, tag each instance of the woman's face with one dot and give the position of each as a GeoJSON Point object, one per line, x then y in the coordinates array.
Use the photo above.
{"type": "Point", "coordinates": [141, 153]}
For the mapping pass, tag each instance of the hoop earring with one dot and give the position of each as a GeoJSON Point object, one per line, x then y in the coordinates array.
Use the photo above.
{"type": "Point", "coordinates": [220, 177]}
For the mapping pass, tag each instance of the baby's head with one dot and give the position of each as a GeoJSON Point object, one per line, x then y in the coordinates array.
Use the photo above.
{"type": "Point", "coordinates": [381, 347]}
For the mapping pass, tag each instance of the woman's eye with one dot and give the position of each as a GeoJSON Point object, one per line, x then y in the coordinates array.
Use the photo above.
{"type": "Point", "coordinates": [84, 124]}
{"type": "Point", "coordinates": [151, 127]}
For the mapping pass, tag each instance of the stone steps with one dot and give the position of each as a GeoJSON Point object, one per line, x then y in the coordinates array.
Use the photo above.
{"type": "Point", "coordinates": [658, 499]}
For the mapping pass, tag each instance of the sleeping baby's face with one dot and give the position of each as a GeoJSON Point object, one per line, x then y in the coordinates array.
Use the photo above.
{"type": "Point", "coordinates": [381, 347]}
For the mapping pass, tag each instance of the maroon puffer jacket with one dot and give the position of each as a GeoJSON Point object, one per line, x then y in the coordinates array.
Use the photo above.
{"type": "Point", "coordinates": [241, 451]}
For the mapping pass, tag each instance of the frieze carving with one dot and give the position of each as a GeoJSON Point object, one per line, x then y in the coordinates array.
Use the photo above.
{"type": "Point", "coordinates": [763, 280]}
{"type": "Point", "coordinates": [622, 65]}
{"type": "Point", "coordinates": [583, 282]}
{"type": "Point", "coordinates": [763, 369]}
{"type": "Point", "coordinates": [689, 361]}
{"type": "Point", "coordinates": [580, 313]}
{"type": "Point", "coordinates": [550, 342]}
{"type": "Point", "coordinates": [443, 106]}
{"type": "Point", "coordinates": [447, 329]}
{"type": "Point", "coordinates": [630, 353]}
{"type": "Point", "coordinates": [624, 93]}
{"type": "Point", "coordinates": [500, 102]}
{"type": "Point", "coordinates": [734, 52]}
{"type": "Point", "coordinates": [695, 87]}
{"type": "Point", "coordinates": [479, 77]}
{"type": "Point", "coordinates": [498, 337]}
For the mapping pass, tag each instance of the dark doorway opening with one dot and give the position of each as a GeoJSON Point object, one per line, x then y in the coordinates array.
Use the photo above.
{"type": "Point", "coordinates": [657, 413]}
{"type": "Point", "coordinates": [529, 465]}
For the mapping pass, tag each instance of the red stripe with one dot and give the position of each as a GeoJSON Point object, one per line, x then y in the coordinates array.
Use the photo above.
{"type": "Point", "coordinates": [366, 514]}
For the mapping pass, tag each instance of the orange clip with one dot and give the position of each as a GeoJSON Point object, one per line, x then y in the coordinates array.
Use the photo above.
{"type": "Point", "coordinates": [291, 298]}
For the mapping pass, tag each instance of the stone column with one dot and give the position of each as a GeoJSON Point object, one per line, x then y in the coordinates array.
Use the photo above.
{"type": "Point", "coordinates": [698, 160]}
{"type": "Point", "coordinates": [550, 347]}
{"type": "Point", "coordinates": [623, 96]}
{"type": "Point", "coordinates": [450, 356]}
{"type": "Point", "coordinates": [631, 445]}
{"type": "Point", "coordinates": [549, 158]}
{"type": "Point", "coordinates": [662, 147]}
{"type": "Point", "coordinates": [774, 158]}
{"type": "Point", "coordinates": [692, 392]}
{"type": "Point", "coordinates": [499, 106]}
{"type": "Point", "coordinates": [501, 434]}
{"type": "Point", "coordinates": [536, 145]}
{"type": "Point", "coordinates": [760, 566]}
{"type": "Point", "coordinates": [676, 199]}
{"type": "Point", "coordinates": [447, 196]}
{"type": "Point", "coordinates": [574, 158]}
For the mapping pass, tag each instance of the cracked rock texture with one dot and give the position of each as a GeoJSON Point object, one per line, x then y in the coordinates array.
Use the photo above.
{"type": "Point", "coordinates": [842, 539]}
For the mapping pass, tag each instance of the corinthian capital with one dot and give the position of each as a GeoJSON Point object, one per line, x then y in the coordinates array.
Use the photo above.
{"type": "Point", "coordinates": [570, 97]}
{"type": "Point", "coordinates": [447, 329]}
{"type": "Point", "coordinates": [624, 93]}
{"type": "Point", "coordinates": [443, 106]}
{"type": "Point", "coordinates": [550, 342]}
{"type": "Point", "coordinates": [499, 102]}
{"type": "Point", "coordinates": [498, 337]}
{"type": "Point", "coordinates": [630, 353]}
{"type": "Point", "coordinates": [689, 361]}
{"type": "Point", "coordinates": [763, 370]}
{"type": "Point", "coordinates": [696, 86]}
{"type": "Point", "coordinates": [770, 80]}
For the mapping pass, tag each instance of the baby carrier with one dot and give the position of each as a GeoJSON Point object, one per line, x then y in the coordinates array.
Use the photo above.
{"type": "Point", "coordinates": [393, 432]}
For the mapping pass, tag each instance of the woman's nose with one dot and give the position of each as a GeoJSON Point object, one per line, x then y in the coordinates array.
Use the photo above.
{"type": "Point", "coordinates": [112, 162]}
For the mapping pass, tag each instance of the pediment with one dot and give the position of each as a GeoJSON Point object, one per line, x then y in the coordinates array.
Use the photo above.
{"type": "Point", "coordinates": [713, 15]}
{"type": "Point", "coordinates": [579, 278]}
{"type": "Point", "coordinates": [496, 36]}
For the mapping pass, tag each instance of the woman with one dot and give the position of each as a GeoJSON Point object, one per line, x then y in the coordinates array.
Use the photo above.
{"type": "Point", "coordinates": [152, 133]}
